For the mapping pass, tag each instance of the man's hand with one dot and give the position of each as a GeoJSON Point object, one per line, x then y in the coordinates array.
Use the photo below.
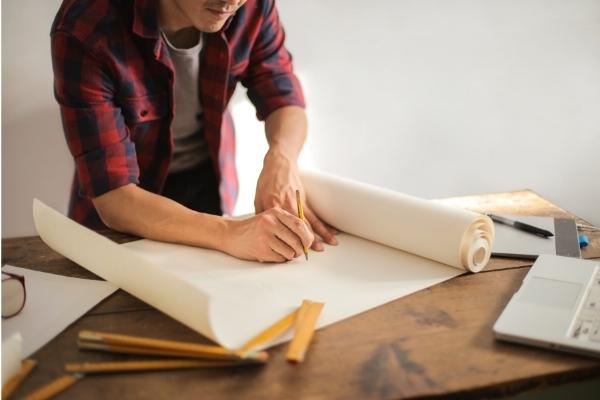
{"type": "Point", "coordinates": [277, 187]}
{"type": "Point", "coordinates": [274, 235]}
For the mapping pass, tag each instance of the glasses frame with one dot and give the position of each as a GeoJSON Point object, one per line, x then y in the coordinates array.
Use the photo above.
{"type": "Point", "coordinates": [21, 280]}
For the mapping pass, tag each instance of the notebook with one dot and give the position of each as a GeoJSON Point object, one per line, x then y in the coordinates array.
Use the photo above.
{"type": "Point", "coordinates": [511, 242]}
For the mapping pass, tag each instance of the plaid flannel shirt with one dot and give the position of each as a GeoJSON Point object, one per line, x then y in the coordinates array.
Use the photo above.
{"type": "Point", "coordinates": [113, 80]}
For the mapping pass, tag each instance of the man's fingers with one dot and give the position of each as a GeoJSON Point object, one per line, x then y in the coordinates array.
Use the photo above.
{"type": "Point", "coordinates": [319, 227]}
{"type": "Point", "coordinates": [317, 244]}
{"type": "Point", "coordinates": [299, 234]}
{"type": "Point", "coordinates": [291, 239]}
{"type": "Point", "coordinates": [286, 252]}
{"type": "Point", "coordinates": [270, 256]}
{"type": "Point", "coordinates": [333, 230]}
{"type": "Point", "coordinates": [297, 228]}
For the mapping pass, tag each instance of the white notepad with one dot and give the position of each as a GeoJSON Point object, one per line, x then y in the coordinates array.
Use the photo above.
{"type": "Point", "coordinates": [511, 242]}
{"type": "Point", "coordinates": [53, 303]}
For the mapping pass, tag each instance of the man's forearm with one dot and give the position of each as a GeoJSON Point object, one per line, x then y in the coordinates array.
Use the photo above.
{"type": "Point", "coordinates": [272, 236]}
{"type": "Point", "coordinates": [134, 210]}
{"type": "Point", "coordinates": [286, 132]}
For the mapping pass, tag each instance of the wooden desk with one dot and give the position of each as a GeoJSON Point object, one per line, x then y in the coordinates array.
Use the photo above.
{"type": "Point", "coordinates": [436, 342]}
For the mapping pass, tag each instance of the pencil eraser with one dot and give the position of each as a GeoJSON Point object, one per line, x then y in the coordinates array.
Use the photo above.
{"type": "Point", "coordinates": [583, 241]}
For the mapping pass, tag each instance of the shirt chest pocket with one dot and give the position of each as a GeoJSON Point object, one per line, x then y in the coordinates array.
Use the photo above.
{"type": "Point", "coordinates": [142, 109]}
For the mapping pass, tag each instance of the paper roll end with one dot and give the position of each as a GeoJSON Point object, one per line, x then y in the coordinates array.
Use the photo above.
{"type": "Point", "coordinates": [479, 259]}
{"type": "Point", "coordinates": [480, 238]}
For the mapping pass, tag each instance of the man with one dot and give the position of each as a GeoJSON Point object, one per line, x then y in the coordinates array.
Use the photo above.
{"type": "Point", "coordinates": [143, 87]}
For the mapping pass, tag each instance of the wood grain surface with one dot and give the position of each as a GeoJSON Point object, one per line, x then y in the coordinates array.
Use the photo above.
{"type": "Point", "coordinates": [434, 343]}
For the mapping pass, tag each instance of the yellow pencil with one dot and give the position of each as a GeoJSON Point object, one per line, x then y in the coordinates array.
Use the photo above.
{"type": "Point", "coordinates": [13, 383]}
{"type": "Point", "coordinates": [306, 321]}
{"type": "Point", "coordinates": [271, 332]}
{"type": "Point", "coordinates": [301, 216]}
{"type": "Point", "coordinates": [142, 345]}
{"type": "Point", "coordinates": [55, 387]}
{"type": "Point", "coordinates": [147, 365]}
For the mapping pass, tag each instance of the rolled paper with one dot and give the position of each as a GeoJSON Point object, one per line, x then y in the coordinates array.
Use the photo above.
{"type": "Point", "coordinates": [450, 235]}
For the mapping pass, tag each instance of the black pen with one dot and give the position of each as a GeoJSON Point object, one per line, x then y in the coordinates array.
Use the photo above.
{"type": "Point", "coordinates": [521, 226]}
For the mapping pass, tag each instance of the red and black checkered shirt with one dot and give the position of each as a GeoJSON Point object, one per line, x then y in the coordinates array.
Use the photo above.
{"type": "Point", "coordinates": [113, 79]}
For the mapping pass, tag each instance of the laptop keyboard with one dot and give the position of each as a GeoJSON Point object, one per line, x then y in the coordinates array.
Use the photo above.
{"type": "Point", "coordinates": [587, 320]}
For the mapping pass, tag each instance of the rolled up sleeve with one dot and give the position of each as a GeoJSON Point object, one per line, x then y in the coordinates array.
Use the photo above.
{"type": "Point", "coordinates": [95, 129]}
{"type": "Point", "coordinates": [270, 80]}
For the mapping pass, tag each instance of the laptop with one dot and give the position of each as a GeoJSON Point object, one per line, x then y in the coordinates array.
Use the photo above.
{"type": "Point", "coordinates": [557, 307]}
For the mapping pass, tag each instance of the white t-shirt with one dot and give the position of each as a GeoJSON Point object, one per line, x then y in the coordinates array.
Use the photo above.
{"type": "Point", "coordinates": [190, 147]}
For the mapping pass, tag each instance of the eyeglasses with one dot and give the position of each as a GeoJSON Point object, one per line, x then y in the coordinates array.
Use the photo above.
{"type": "Point", "coordinates": [13, 294]}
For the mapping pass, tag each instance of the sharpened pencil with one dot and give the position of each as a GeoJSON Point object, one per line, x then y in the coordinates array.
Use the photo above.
{"type": "Point", "coordinates": [250, 356]}
{"type": "Point", "coordinates": [301, 216]}
{"type": "Point", "coordinates": [141, 345]}
{"type": "Point", "coordinates": [147, 365]}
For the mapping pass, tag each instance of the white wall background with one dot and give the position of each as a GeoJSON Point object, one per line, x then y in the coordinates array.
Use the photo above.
{"type": "Point", "coordinates": [433, 98]}
{"type": "Point", "coordinates": [35, 159]}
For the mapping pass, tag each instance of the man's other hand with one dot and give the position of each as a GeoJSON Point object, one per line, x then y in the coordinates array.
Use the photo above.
{"type": "Point", "coordinates": [277, 187]}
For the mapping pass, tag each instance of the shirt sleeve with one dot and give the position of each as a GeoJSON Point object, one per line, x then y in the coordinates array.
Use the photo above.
{"type": "Point", "coordinates": [270, 80]}
{"type": "Point", "coordinates": [94, 127]}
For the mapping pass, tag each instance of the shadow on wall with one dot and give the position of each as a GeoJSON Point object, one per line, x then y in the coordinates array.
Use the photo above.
{"type": "Point", "coordinates": [35, 163]}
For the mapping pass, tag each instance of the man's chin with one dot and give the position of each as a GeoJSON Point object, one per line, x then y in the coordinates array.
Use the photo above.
{"type": "Point", "coordinates": [210, 28]}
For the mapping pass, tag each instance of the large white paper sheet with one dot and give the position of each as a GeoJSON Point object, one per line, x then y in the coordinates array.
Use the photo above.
{"type": "Point", "coordinates": [230, 300]}
{"type": "Point", "coordinates": [53, 303]}
{"type": "Point", "coordinates": [149, 282]}
{"type": "Point", "coordinates": [246, 297]}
